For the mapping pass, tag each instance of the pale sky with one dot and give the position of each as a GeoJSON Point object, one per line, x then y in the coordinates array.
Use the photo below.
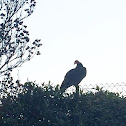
{"type": "Point", "coordinates": [91, 31]}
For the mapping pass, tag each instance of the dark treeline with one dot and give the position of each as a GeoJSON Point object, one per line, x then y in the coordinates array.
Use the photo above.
{"type": "Point", "coordinates": [34, 105]}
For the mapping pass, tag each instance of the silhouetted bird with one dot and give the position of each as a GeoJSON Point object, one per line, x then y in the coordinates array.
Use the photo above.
{"type": "Point", "coordinates": [74, 76]}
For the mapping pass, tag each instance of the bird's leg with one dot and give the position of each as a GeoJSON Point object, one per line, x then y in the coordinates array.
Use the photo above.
{"type": "Point", "coordinates": [77, 90]}
{"type": "Point", "coordinates": [77, 104]}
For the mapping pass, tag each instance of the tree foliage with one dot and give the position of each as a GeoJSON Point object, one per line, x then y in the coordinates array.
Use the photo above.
{"type": "Point", "coordinates": [15, 45]}
{"type": "Point", "coordinates": [49, 106]}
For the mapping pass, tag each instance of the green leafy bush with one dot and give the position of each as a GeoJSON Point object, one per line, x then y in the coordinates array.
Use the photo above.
{"type": "Point", "coordinates": [48, 106]}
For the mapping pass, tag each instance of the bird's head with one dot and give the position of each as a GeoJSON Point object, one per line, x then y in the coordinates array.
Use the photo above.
{"type": "Point", "coordinates": [76, 62]}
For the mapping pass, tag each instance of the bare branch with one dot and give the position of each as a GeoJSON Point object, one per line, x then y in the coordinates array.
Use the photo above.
{"type": "Point", "coordinates": [15, 43]}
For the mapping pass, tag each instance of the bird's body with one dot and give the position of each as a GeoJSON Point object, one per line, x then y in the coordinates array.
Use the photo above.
{"type": "Point", "coordinates": [74, 76]}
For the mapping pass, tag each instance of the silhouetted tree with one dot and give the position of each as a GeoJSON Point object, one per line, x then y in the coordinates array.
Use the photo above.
{"type": "Point", "coordinates": [15, 45]}
{"type": "Point", "coordinates": [14, 38]}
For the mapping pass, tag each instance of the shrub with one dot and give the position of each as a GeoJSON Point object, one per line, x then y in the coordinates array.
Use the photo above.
{"type": "Point", "coordinates": [48, 106]}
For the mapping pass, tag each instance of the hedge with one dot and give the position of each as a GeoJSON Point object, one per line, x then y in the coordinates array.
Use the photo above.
{"type": "Point", "coordinates": [48, 106]}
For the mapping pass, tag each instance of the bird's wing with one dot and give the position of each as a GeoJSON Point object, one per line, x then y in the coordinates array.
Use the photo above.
{"type": "Point", "coordinates": [69, 73]}
{"type": "Point", "coordinates": [67, 79]}
{"type": "Point", "coordinates": [73, 77]}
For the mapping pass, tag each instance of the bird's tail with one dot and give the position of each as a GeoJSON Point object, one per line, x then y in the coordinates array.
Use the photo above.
{"type": "Point", "coordinates": [63, 86]}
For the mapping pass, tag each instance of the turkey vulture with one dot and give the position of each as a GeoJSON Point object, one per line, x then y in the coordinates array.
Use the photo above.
{"type": "Point", "coordinates": [74, 76]}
